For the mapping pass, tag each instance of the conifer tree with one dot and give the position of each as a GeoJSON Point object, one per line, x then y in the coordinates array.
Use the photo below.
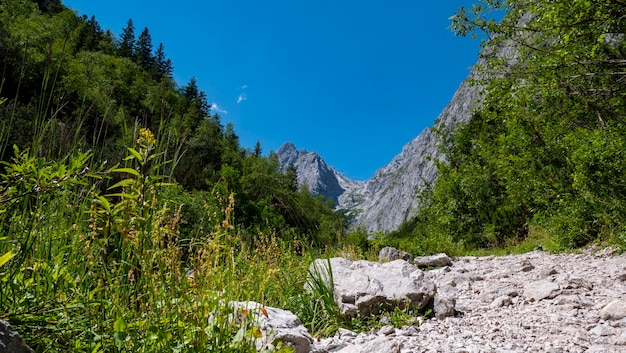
{"type": "Point", "coordinates": [91, 35]}
{"type": "Point", "coordinates": [163, 64]}
{"type": "Point", "coordinates": [143, 50]}
{"type": "Point", "coordinates": [257, 149]}
{"type": "Point", "coordinates": [127, 41]}
{"type": "Point", "coordinates": [49, 6]}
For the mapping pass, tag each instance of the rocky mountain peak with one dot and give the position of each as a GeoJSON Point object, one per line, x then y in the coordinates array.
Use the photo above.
{"type": "Point", "coordinates": [313, 172]}
{"type": "Point", "coordinates": [389, 198]}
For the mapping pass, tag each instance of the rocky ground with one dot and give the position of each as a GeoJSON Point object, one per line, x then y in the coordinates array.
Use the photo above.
{"type": "Point", "coordinates": [535, 302]}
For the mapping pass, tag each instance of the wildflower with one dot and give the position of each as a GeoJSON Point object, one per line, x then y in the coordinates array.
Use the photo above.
{"type": "Point", "coordinates": [146, 138]}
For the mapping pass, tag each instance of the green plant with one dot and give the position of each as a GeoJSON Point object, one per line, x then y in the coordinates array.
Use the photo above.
{"type": "Point", "coordinates": [317, 306]}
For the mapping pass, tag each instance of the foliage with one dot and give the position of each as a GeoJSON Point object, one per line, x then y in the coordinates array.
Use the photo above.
{"type": "Point", "coordinates": [544, 151]}
{"type": "Point", "coordinates": [321, 311]}
{"type": "Point", "coordinates": [113, 176]}
{"type": "Point", "coordinates": [96, 87]}
{"type": "Point", "coordinates": [67, 245]}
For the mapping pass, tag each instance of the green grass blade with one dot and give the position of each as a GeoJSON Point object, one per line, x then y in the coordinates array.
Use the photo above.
{"type": "Point", "coordinates": [5, 258]}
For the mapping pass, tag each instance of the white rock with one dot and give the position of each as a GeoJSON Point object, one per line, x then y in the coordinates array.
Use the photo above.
{"type": "Point", "coordinates": [378, 345]}
{"type": "Point", "coordinates": [437, 260]}
{"type": "Point", "coordinates": [276, 324]}
{"type": "Point", "coordinates": [538, 290]}
{"type": "Point", "coordinates": [501, 301]}
{"type": "Point", "coordinates": [364, 287]}
{"type": "Point", "coordinates": [615, 310]}
{"type": "Point", "coordinates": [390, 254]}
{"type": "Point", "coordinates": [386, 330]}
{"type": "Point", "coordinates": [582, 317]}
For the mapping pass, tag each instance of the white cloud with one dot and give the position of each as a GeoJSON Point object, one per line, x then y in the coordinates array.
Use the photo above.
{"type": "Point", "coordinates": [216, 108]}
{"type": "Point", "coordinates": [242, 96]}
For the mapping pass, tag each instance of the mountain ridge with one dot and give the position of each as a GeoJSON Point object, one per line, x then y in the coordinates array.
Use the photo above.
{"type": "Point", "coordinates": [389, 198]}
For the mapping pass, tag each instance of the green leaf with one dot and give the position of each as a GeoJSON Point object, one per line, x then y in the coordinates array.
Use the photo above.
{"type": "Point", "coordinates": [5, 258]}
{"type": "Point", "coordinates": [120, 324]}
{"type": "Point", "coordinates": [135, 154]}
{"type": "Point", "coordinates": [123, 183]}
{"type": "Point", "coordinates": [96, 349]}
{"type": "Point", "coordinates": [126, 170]}
{"type": "Point", "coordinates": [104, 203]}
{"type": "Point", "coordinates": [123, 195]}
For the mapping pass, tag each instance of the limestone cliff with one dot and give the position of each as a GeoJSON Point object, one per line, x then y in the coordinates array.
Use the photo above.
{"type": "Point", "coordinates": [386, 200]}
{"type": "Point", "coordinates": [314, 173]}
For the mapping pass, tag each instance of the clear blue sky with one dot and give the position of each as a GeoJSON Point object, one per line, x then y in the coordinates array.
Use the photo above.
{"type": "Point", "coordinates": [354, 80]}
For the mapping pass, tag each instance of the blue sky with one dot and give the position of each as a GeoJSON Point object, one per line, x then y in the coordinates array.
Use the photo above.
{"type": "Point", "coordinates": [354, 80]}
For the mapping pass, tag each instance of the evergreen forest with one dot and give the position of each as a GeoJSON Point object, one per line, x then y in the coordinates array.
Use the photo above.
{"type": "Point", "coordinates": [129, 214]}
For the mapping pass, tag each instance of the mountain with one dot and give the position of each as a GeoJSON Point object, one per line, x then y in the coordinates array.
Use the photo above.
{"type": "Point", "coordinates": [390, 195]}
{"type": "Point", "coordinates": [315, 174]}
{"type": "Point", "coordinates": [385, 201]}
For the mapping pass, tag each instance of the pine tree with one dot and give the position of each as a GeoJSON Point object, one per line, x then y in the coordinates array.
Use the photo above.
{"type": "Point", "coordinates": [50, 6]}
{"type": "Point", "coordinates": [91, 34]}
{"type": "Point", "coordinates": [196, 97]}
{"type": "Point", "coordinates": [127, 41]}
{"type": "Point", "coordinates": [143, 51]}
{"type": "Point", "coordinates": [257, 149]}
{"type": "Point", "coordinates": [163, 64]}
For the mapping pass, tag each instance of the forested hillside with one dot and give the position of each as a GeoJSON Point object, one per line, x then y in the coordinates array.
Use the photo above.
{"type": "Point", "coordinates": [543, 158]}
{"type": "Point", "coordinates": [72, 86]}
{"type": "Point", "coordinates": [129, 213]}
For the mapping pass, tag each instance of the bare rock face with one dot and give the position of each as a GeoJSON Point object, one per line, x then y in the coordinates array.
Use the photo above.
{"type": "Point", "coordinates": [313, 172]}
{"type": "Point", "coordinates": [276, 324]}
{"type": "Point", "coordinates": [390, 195]}
{"type": "Point", "coordinates": [381, 344]}
{"type": "Point", "coordinates": [362, 288]}
{"type": "Point", "coordinates": [385, 201]}
{"type": "Point", "coordinates": [615, 310]}
{"type": "Point", "coordinates": [10, 340]}
{"type": "Point", "coordinates": [539, 290]}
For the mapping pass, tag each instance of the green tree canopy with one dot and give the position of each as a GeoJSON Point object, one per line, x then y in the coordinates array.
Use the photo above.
{"type": "Point", "coordinates": [543, 152]}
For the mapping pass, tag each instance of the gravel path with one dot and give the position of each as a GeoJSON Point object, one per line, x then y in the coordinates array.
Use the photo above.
{"type": "Point", "coordinates": [535, 302]}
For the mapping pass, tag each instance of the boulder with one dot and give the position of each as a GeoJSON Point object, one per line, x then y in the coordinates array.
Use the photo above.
{"type": "Point", "coordinates": [11, 341]}
{"type": "Point", "coordinates": [363, 287]}
{"type": "Point", "coordinates": [275, 324]}
{"type": "Point", "coordinates": [437, 260]}
{"type": "Point", "coordinates": [389, 253]}
{"type": "Point", "coordinates": [538, 290]}
{"type": "Point", "coordinates": [445, 301]}
{"type": "Point", "coordinates": [501, 301]}
{"type": "Point", "coordinates": [381, 344]}
{"type": "Point", "coordinates": [615, 310]}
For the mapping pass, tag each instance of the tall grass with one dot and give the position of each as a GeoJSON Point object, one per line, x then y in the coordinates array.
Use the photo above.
{"type": "Point", "coordinates": [110, 271]}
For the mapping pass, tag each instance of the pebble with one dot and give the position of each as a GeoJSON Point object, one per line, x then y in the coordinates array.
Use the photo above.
{"type": "Point", "coordinates": [577, 306]}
